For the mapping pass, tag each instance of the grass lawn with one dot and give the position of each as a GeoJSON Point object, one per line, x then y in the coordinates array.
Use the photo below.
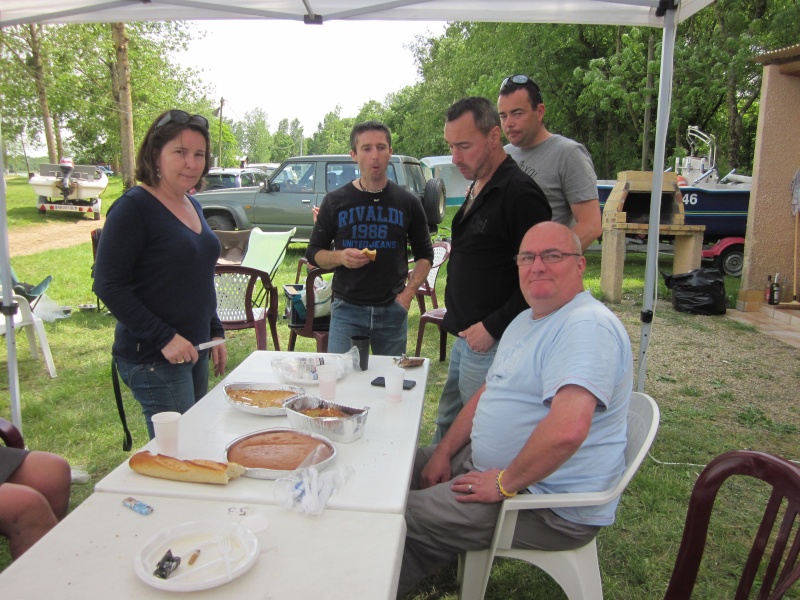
{"type": "Point", "coordinates": [720, 386]}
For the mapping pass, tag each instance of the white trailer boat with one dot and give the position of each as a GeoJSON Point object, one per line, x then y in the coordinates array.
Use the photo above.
{"type": "Point", "coordinates": [68, 187]}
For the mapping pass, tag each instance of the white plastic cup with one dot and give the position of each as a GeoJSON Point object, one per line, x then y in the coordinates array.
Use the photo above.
{"type": "Point", "coordinates": [167, 426]}
{"type": "Point", "coordinates": [326, 376]}
{"type": "Point", "coordinates": [394, 383]}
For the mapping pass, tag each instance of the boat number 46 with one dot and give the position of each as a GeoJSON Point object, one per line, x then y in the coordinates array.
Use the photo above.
{"type": "Point", "coordinates": [690, 199]}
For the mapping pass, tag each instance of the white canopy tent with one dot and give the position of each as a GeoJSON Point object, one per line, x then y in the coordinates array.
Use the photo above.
{"type": "Point", "coordinates": [663, 14]}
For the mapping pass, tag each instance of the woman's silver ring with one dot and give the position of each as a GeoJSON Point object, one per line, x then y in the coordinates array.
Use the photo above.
{"type": "Point", "coordinates": [469, 488]}
{"type": "Point", "coordinates": [179, 361]}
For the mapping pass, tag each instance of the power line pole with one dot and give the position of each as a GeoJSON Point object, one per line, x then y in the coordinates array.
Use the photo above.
{"type": "Point", "coordinates": [219, 156]}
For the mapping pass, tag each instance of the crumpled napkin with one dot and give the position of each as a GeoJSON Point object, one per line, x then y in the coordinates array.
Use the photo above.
{"type": "Point", "coordinates": [307, 490]}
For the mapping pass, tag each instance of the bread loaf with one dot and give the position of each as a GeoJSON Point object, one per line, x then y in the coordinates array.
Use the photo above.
{"type": "Point", "coordinates": [370, 254]}
{"type": "Point", "coordinates": [195, 471]}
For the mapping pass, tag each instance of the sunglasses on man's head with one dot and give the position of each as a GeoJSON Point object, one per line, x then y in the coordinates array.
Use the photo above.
{"type": "Point", "coordinates": [519, 80]}
{"type": "Point", "coordinates": [182, 117]}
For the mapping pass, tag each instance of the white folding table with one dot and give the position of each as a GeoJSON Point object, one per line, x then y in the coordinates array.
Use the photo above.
{"type": "Point", "coordinates": [339, 555]}
{"type": "Point", "coordinates": [381, 461]}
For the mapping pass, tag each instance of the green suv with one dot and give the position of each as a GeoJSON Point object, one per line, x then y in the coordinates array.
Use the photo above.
{"type": "Point", "coordinates": [301, 183]}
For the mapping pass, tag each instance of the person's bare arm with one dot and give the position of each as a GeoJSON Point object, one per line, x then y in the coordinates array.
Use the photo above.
{"type": "Point", "coordinates": [349, 258]}
{"type": "Point", "coordinates": [437, 470]}
{"type": "Point", "coordinates": [588, 222]}
{"type": "Point", "coordinates": [415, 279]}
{"type": "Point", "coordinates": [557, 437]}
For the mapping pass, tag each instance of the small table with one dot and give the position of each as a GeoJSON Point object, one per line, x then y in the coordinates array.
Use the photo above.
{"type": "Point", "coordinates": [382, 460]}
{"type": "Point", "coordinates": [339, 555]}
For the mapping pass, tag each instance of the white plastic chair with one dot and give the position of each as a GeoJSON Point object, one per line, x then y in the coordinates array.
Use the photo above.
{"type": "Point", "coordinates": [576, 571]}
{"type": "Point", "coordinates": [33, 326]}
{"type": "Point", "coordinates": [266, 249]}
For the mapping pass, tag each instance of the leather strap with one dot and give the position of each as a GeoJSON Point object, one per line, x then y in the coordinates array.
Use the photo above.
{"type": "Point", "coordinates": [127, 443]}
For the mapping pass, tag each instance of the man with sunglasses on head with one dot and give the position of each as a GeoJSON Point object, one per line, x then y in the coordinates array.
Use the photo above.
{"type": "Point", "coordinates": [551, 418]}
{"type": "Point", "coordinates": [562, 167]}
{"type": "Point", "coordinates": [482, 295]}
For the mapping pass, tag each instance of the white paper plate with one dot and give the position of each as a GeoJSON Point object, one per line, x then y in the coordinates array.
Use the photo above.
{"type": "Point", "coordinates": [184, 539]}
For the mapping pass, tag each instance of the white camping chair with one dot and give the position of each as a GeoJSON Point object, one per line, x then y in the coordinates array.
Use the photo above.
{"type": "Point", "coordinates": [576, 571]}
{"type": "Point", "coordinates": [266, 249]}
{"type": "Point", "coordinates": [33, 326]}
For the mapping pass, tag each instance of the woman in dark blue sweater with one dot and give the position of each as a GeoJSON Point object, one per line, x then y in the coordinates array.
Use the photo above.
{"type": "Point", "coordinates": [155, 271]}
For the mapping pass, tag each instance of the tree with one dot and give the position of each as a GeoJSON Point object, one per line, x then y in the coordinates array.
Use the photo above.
{"type": "Point", "coordinates": [283, 143]}
{"type": "Point", "coordinates": [254, 137]}
{"type": "Point", "coordinates": [371, 110]}
{"type": "Point", "coordinates": [597, 81]}
{"type": "Point", "coordinates": [80, 71]}
{"type": "Point", "coordinates": [332, 135]}
{"type": "Point", "coordinates": [121, 85]}
{"type": "Point", "coordinates": [25, 55]}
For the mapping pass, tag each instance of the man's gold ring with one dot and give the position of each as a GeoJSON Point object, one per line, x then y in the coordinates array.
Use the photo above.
{"type": "Point", "coordinates": [179, 361]}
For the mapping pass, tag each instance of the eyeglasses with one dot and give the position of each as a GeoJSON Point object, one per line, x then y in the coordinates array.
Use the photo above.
{"type": "Point", "coordinates": [182, 117]}
{"type": "Point", "coordinates": [548, 257]}
{"type": "Point", "coordinates": [519, 80]}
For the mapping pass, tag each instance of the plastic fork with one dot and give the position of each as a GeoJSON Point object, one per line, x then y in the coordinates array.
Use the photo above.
{"type": "Point", "coordinates": [224, 545]}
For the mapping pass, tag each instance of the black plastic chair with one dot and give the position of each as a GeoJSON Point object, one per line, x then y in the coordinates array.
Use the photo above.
{"type": "Point", "coordinates": [95, 233]}
{"type": "Point", "coordinates": [772, 564]}
{"type": "Point", "coordinates": [10, 435]}
{"type": "Point", "coordinates": [441, 252]}
{"type": "Point", "coordinates": [237, 289]}
{"type": "Point", "coordinates": [312, 327]}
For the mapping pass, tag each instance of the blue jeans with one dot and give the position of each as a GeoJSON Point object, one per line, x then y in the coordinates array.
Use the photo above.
{"type": "Point", "coordinates": [465, 375]}
{"type": "Point", "coordinates": [161, 386]}
{"type": "Point", "coordinates": [387, 327]}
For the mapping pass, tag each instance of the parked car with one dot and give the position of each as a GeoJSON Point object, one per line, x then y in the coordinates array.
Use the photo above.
{"type": "Point", "coordinates": [104, 169]}
{"type": "Point", "coordinates": [301, 183]}
{"type": "Point", "coordinates": [268, 168]}
{"type": "Point", "coordinates": [234, 178]}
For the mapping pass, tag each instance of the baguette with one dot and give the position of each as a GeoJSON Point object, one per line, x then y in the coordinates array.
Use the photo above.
{"type": "Point", "coordinates": [370, 254]}
{"type": "Point", "coordinates": [195, 471]}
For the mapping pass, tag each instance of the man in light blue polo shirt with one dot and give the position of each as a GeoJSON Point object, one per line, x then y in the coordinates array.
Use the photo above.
{"type": "Point", "coordinates": [551, 418]}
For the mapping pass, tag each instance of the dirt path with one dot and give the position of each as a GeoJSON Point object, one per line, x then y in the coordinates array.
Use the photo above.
{"type": "Point", "coordinates": [50, 236]}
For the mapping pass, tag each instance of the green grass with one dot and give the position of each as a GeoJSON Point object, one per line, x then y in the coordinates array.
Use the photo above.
{"type": "Point", "coordinates": [746, 403]}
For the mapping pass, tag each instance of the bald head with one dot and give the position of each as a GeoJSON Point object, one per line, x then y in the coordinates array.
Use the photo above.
{"type": "Point", "coordinates": [551, 228]}
{"type": "Point", "coordinates": [547, 286]}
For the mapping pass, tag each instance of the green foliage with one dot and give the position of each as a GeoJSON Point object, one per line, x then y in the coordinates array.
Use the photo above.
{"type": "Point", "coordinates": [253, 136]}
{"type": "Point", "coordinates": [593, 78]}
{"type": "Point", "coordinates": [80, 88]}
{"type": "Point", "coordinates": [332, 135]}
{"type": "Point", "coordinates": [756, 418]}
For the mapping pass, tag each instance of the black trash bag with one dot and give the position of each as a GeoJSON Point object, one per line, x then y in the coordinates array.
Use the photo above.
{"type": "Point", "coordinates": [699, 292]}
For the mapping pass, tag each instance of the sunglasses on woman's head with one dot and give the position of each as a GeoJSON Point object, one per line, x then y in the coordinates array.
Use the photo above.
{"type": "Point", "coordinates": [182, 117]}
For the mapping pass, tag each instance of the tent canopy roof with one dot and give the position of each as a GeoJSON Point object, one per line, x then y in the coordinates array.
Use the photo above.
{"type": "Point", "coordinates": [593, 12]}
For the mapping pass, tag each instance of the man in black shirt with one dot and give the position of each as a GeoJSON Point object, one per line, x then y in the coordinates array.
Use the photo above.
{"type": "Point", "coordinates": [482, 294]}
{"type": "Point", "coordinates": [371, 213]}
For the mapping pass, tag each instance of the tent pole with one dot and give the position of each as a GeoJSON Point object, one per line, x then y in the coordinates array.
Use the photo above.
{"type": "Point", "coordinates": [8, 299]}
{"type": "Point", "coordinates": [662, 125]}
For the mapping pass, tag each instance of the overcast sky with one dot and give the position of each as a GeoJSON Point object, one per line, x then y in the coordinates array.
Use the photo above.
{"type": "Point", "coordinates": [292, 70]}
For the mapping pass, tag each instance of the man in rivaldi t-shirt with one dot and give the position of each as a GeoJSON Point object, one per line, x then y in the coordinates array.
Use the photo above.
{"type": "Point", "coordinates": [371, 296]}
